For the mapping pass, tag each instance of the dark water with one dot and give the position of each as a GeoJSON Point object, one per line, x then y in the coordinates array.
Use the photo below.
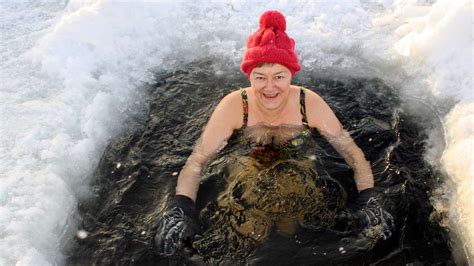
{"type": "Point", "coordinates": [130, 198]}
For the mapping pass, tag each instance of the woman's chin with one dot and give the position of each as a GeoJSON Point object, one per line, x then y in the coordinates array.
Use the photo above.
{"type": "Point", "coordinates": [271, 105]}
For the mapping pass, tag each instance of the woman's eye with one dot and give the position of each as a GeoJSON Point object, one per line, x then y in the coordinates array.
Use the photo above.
{"type": "Point", "coordinates": [280, 77]}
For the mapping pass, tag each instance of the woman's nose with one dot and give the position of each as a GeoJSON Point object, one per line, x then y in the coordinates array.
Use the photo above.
{"type": "Point", "coordinates": [269, 83]}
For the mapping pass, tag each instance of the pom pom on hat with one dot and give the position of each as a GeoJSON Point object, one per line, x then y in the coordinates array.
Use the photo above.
{"type": "Point", "coordinates": [273, 19]}
{"type": "Point", "coordinates": [270, 44]}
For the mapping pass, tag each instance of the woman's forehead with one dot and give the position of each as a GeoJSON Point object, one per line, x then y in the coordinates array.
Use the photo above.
{"type": "Point", "coordinates": [270, 68]}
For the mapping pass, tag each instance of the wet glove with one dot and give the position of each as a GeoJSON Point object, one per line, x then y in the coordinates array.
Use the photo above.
{"type": "Point", "coordinates": [369, 215]}
{"type": "Point", "coordinates": [177, 226]}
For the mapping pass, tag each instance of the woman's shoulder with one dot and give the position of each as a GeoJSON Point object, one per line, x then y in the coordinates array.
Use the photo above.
{"type": "Point", "coordinates": [320, 115]}
{"type": "Point", "coordinates": [230, 109]}
{"type": "Point", "coordinates": [233, 98]}
{"type": "Point", "coordinates": [311, 97]}
{"type": "Point", "coordinates": [306, 90]}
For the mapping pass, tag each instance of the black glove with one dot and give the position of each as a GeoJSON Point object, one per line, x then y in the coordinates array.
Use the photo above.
{"type": "Point", "coordinates": [368, 214]}
{"type": "Point", "coordinates": [178, 224]}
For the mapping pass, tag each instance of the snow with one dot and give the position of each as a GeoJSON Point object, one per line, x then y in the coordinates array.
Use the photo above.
{"type": "Point", "coordinates": [72, 71]}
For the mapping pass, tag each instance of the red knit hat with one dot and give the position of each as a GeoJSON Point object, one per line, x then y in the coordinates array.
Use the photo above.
{"type": "Point", "coordinates": [270, 44]}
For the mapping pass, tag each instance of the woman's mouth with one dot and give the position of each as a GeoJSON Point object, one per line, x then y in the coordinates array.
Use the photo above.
{"type": "Point", "coordinates": [270, 95]}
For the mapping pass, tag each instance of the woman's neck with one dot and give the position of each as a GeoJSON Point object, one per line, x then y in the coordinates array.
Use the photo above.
{"type": "Point", "coordinates": [272, 116]}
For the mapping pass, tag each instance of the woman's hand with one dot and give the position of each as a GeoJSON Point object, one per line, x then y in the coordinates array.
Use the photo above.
{"type": "Point", "coordinates": [368, 215]}
{"type": "Point", "coordinates": [178, 225]}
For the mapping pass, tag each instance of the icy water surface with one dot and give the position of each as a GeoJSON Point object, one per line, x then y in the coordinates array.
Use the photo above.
{"type": "Point", "coordinates": [137, 174]}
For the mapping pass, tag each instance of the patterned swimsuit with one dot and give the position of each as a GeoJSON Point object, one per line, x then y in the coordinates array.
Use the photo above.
{"type": "Point", "coordinates": [268, 146]}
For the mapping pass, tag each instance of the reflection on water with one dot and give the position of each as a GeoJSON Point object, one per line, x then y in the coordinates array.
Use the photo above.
{"type": "Point", "coordinates": [278, 211]}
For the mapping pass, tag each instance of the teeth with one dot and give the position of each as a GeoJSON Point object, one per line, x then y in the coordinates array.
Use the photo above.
{"type": "Point", "coordinates": [270, 95]}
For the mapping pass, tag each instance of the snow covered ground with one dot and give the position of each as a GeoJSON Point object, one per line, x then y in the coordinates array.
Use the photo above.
{"type": "Point", "coordinates": [72, 71]}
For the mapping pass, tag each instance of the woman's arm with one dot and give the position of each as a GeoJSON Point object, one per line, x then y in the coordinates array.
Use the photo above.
{"type": "Point", "coordinates": [321, 117]}
{"type": "Point", "coordinates": [365, 211]}
{"type": "Point", "coordinates": [226, 117]}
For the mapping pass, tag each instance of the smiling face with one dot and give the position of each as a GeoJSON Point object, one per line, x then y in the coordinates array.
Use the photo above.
{"type": "Point", "coordinates": [271, 84]}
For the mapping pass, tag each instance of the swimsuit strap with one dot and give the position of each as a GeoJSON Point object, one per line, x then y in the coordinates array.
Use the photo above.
{"type": "Point", "coordinates": [245, 103]}
{"type": "Point", "coordinates": [303, 106]}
